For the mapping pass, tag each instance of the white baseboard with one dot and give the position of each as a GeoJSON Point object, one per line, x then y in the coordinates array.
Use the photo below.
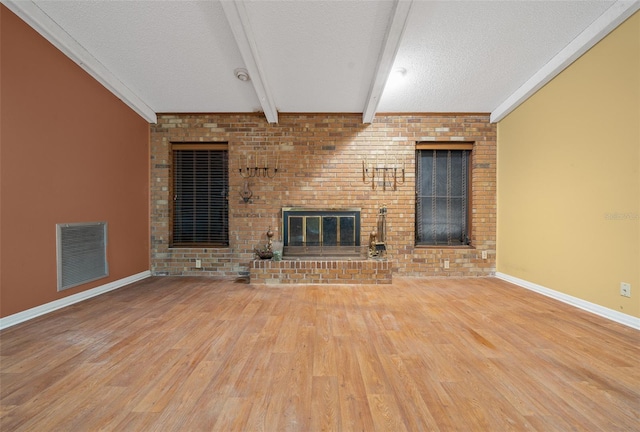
{"type": "Point", "coordinates": [28, 314]}
{"type": "Point", "coordinates": [602, 311]}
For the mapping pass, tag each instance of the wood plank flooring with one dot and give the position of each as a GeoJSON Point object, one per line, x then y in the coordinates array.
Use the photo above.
{"type": "Point", "coordinates": [199, 354]}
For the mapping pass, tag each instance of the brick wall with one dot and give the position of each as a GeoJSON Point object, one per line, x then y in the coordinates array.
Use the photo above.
{"type": "Point", "coordinates": [320, 165]}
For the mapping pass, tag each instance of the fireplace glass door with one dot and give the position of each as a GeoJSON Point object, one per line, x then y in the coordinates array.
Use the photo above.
{"type": "Point", "coordinates": [321, 231]}
{"type": "Point", "coordinates": [321, 228]}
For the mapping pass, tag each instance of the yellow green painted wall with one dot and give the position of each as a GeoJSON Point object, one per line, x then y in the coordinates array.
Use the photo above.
{"type": "Point", "coordinates": [569, 178]}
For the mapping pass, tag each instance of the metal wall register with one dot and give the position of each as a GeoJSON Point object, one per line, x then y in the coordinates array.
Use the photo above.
{"type": "Point", "coordinates": [321, 232]}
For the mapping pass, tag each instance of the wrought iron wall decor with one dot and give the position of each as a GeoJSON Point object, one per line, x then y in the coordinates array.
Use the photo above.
{"type": "Point", "coordinates": [254, 169]}
{"type": "Point", "coordinates": [386, 170]}
{"type": "Point", "coordinates": [246, 193]}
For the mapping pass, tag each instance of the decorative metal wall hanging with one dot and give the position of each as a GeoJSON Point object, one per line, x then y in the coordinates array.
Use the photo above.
{"type": "Point", "coordinates": [383, 170]}
{"type": "Point", "coordinates": [246, 193]}
{"type": "Point", "coordinates": [253, 169]}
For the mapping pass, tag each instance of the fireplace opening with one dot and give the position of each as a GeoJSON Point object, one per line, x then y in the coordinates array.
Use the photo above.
{"type": "Point", "coordinates": [322, 233]}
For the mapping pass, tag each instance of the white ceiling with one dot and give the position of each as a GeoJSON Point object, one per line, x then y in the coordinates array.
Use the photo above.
{"type": "Point", "coordinates": [311, 56]}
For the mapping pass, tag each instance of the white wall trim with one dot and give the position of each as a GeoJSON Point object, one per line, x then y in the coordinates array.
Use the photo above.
{"type": "Point", "coordinates": [36, 18]}
{"type": "Point", "coordinates": [602, 311]}
{"type": "Point", "coordinates": [28, 314]}
{"type": "Point", "coordinates": [608, 21]}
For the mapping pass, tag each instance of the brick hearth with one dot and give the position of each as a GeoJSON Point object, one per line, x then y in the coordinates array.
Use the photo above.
{"type": "Point", "coordinates": [319, 272]}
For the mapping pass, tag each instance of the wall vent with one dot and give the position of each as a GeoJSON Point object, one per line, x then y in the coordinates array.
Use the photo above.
{"type": "Point", "coordinates": [81, 253]}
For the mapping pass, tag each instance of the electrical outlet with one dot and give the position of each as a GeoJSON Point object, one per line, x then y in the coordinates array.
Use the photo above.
{"type": "Point", "coordinates": [446, 264]}
{"type": "Point", "coordinates": [198, 263]}
{"type": "Point", "coordinates": [484, 254]}
{"type": "Point", "coordinates": [625, 289]}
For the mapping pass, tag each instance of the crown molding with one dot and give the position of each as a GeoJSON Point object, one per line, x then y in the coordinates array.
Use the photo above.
{"type": "Point", "coordinates": [607, 22]}
{"type": "Point", "coordinates": [36, 18]}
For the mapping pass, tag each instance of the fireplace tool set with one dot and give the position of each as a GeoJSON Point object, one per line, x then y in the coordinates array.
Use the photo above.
{"type": "Point", "coordinates": [377, 245]}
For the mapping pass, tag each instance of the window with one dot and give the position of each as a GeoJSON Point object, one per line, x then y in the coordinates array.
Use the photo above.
{"type": "Point", "coordinates": [442, 194]}
{"type": "Point", "coordinates": [200, 214]}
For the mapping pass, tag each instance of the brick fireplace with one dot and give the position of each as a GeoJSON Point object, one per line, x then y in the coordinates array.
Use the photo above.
{"type": "Point", "coordinates": [321, 246]}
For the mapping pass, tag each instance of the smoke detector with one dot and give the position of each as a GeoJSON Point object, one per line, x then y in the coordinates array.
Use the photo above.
{"type": "Point", "coordinates": [242, 74]}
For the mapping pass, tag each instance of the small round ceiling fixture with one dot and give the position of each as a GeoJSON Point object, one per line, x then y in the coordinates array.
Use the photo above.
{"type": "Point", "coordinates": [400, 71]}
{"type": "Point", "coordinates": [242, 74]}
{"type": "Point", "coordinates": [396, 77]}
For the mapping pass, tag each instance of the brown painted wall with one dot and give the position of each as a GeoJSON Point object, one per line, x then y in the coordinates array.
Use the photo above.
{"type": "Point", "coordinates": [70, 152]}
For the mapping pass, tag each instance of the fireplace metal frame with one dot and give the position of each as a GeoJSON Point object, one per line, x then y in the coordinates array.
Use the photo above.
{"type": "Point", "coordinates": [318, 248]}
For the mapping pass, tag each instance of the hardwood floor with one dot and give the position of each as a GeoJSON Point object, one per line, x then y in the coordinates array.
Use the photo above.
{"type": "Point", "coordinates": [195, 354]}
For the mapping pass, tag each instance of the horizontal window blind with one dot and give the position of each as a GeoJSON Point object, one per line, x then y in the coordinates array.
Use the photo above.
{"type": "Point", "coordinates": [200, 195]}
{"type": "Point", "coordinates": [442, 200]}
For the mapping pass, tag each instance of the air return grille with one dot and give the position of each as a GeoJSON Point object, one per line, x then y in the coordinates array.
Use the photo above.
{"type": "Point", "coordinates": [82, 253]}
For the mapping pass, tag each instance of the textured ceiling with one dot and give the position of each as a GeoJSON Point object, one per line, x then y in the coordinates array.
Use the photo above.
{"type": "Point", "coordinates": [319, 56]}
{"type": "Point", "coordinates": [464, 56]}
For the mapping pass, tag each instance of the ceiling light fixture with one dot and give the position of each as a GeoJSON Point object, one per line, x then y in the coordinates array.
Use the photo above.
{"type": "Point", "coordinates": [242, 74]}
{"type": "Point", "coordinates": [400, 72]}
{"type": "Point", "coordinates": [396, 78]}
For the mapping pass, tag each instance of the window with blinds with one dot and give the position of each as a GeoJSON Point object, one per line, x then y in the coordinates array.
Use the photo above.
{"type": "Point", "coordinates": [200, 214]}
{"type": "Point", "coordinates": [442, 194]}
